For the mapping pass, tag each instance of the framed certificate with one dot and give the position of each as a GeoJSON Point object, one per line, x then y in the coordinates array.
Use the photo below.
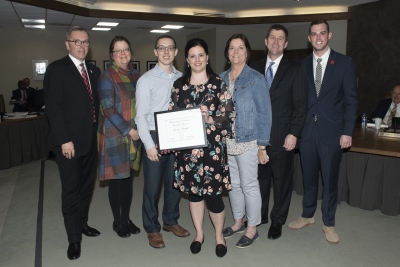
{"type": "Point", "coordinates": [180, 129]}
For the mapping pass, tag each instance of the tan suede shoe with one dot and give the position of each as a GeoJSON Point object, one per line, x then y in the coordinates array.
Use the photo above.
{"type": "Point", "coordinates": [301, 222]}
{"type": "Point", "coordinates": [330, 234]}
{"type": "Point", "coordinates": [155, 240]}
{"type": "Point", "coordinates": [177, 230]}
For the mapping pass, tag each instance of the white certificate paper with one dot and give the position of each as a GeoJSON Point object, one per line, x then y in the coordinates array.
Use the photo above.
{"type": "Point", "coordinates": [180, 129]}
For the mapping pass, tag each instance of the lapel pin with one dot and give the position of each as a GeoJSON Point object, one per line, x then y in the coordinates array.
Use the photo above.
{"type": "Point", "coordinates": [332, 62]}
{"type": "Point", "coordinates": [91, 71]}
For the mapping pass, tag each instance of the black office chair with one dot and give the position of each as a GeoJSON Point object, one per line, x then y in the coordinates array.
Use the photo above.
{"type": "Point", "coordinates": [38, 100]}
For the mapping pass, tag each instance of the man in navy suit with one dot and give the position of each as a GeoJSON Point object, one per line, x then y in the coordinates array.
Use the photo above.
{"type": "Point", "coordinates": [332, 111]}
{"type": "Point", "coordinates": [288, 92]}
{"type": "Point", "coordinates": [386, 106]}
{"type": "Point", "coordinates": [72, 106]}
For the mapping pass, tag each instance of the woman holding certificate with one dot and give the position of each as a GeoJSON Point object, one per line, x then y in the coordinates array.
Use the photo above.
{"type": "Point", "coordinates": [118, 139]}
{"type": "Point", "coordinates": [251, 135]}
{"type": "Point", "coordinates": [203, 172]}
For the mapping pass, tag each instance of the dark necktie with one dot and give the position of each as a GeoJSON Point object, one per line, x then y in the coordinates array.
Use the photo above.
{"type": "Point", "coordinates": [269, 76]}
{"type": "Point", "coordinates": [86, 80]}
{"type": "Point", "coordinates": [318, 76]}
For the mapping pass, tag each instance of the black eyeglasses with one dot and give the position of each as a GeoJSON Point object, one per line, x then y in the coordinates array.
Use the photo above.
{"type": "Point", "coordinates": [79, 42]}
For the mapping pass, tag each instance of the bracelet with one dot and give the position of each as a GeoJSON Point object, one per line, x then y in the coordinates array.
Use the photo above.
{"type": "Point", "coordinates": [259, 148]}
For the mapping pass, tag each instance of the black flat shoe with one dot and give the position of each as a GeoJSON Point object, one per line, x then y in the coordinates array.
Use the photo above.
{"type": "Point", "coordinates": [220, 250]}
{"type": "Point", "coordinates": [89, 231]}
{"type": "Point", "coordinates": [74, 251]}
{"type": "Point", "coordinates": [134, 229]}
{"type": "Point", "coordinates": [195, 247]}
{"type": "Point", "coordinates": [275, 231]}
{"type": "Point", "coordinates": [122, 230]}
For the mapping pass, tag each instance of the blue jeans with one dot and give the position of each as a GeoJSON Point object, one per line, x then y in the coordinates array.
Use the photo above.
{"type": "Point", "coordinates": [154, 172]}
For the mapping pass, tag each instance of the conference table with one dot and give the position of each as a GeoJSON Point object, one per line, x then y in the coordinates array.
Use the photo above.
{"type": "Point", "coordinates": [369, 176]}
{"type": "Point", "coordinates": [22, 140]}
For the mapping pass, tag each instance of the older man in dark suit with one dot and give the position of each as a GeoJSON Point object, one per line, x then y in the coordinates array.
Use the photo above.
{"type": "Point", "coordinates": [332, 111]}
{"type": "Point", "coordinates": [72, 109]}
{"type": "Point", "coordinates": [287, 81]}
{"type": "Point", "coordinates": [388, 108]}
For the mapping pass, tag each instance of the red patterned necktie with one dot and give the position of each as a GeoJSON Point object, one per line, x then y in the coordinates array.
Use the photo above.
{"type": "Point", "coordinates": [86, 80]}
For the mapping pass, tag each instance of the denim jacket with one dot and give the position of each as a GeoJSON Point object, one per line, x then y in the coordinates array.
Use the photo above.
{"type": "Point", "coordinates": [253, 106]}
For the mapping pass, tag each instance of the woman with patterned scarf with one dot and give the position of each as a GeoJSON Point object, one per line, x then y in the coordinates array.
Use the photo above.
{"type": "Point", "coordinates": [118, 139]}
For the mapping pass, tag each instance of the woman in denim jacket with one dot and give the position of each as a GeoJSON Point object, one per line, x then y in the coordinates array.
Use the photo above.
{"type": "Point", "coordinates": [251, 133]}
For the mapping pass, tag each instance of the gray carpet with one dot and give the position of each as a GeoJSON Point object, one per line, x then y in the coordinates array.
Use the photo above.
{"type": "Point", "coordinates": [367, 238]}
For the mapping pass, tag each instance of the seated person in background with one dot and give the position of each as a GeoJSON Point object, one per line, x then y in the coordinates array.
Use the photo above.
{"type": "Point", "coordinates": [20, 94]}
{"type": "Point", "coordinates": [388, 108]}
{"type": "Point", "coordinates": [27, 83]}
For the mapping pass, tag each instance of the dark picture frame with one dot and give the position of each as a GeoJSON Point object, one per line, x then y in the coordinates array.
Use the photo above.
{"type": "Point", "coordinates": [151, 64]}
{"type": "Point", "coordinates": [107, 63]}
{"type": "Point", "coordinates": [136, 65]}
{"type": "Point", "coordinates": [93, 62]}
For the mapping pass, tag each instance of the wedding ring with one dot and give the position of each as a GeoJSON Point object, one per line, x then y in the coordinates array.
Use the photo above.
{"type": "Point", "coordinates": [66, 153]}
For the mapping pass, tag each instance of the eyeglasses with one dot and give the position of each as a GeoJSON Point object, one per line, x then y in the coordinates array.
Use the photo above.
{"type": "Point", "coordinates": [165, 48]}
{"type": "Point", "coordinates": [79, 42]}
{"type": "Point", "coordinates": [125, 51]}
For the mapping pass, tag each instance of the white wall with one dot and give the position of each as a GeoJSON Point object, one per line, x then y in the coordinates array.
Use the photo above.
{"type": "Point", "coordinates": [20, 46]}
{"type": "Point", "coordinates": [209, 37]}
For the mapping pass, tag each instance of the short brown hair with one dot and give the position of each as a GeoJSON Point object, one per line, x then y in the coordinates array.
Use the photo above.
{"type": "Point", "coordinates": [317, 22]}
{"type": "Point", "coordinates": [278, 27]}
{"type": "Point", "coordinates": [165, 36]}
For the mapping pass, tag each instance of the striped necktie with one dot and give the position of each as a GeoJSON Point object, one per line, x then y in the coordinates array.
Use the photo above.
{"type": "Point", "coordinates": [86, 80]}
{"type": "Point", "coordinates": [269, 76]}
{"type": "Point", "coordinates": [318, 76]}
{"type": "Point", "coordinates": [391, 115]}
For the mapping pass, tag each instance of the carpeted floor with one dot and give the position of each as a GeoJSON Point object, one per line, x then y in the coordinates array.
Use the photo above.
{"type": "Point", "coordinates": [367, 238]}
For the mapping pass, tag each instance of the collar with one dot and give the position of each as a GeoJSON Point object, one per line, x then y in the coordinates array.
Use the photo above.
{"type": "Point", "coordinates": [160, 71]}
{"type": "Point", "coordinates": [324, 56]}
{"type": "Point", "coordinates": [277, 61]}
{"type": "Point", "coordinates": [76, 61]}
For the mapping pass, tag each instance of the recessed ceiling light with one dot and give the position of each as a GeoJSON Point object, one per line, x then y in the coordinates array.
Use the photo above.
{"type": "Point", "coordinates": [35, 26]}
{"type": "Point", "coordinates": [33, 20]}
{"type": "Point", "coordinates": [109, 24]}
{"type": "Point", "coordinates": [172, 27]}
{"type": "Point", "coordinates": [159, 31]}
{"type": "Point", "coordinates": [100, 29]}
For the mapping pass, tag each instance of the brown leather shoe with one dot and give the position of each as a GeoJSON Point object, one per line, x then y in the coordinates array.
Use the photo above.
{"type": "Point", "coordinates": [177, 230]}
{"type": "Point", "coordinates": [155, 240]}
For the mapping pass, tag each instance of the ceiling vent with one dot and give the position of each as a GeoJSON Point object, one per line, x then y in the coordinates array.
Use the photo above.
{"type": "Point", "coordinates": [204, 14]}
{"type": "Point", "coordinates": [78, 2]}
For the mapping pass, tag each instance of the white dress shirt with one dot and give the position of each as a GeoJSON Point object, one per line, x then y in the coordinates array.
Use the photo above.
{"type": "Point", "coordinates": [324, 61]}
{"type": "Point", "coordinates": [274, 67]}
{"type": "Point", "coordinates": [389, 110]}
{"type": "Point", "coordinates": [77, 63]}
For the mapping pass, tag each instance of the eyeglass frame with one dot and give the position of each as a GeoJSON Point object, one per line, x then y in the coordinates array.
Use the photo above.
{"type": "Point", "coordinates": [85, 43]}
{"type": "Point", "coordinates": [163, 49]}
{"type": "Point", "coordinates": [126, 50]}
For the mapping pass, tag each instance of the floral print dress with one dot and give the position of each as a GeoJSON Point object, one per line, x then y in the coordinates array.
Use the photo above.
{"type": "Point", "coordinates": [205, 170]}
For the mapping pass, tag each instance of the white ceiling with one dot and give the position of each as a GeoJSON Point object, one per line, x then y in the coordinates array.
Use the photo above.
{"type": "Point", "coordinates": [12, 12]}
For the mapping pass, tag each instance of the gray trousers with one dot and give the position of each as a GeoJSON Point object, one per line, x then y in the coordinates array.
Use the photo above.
{"type": "Point", "coordinates": [245, 195]}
